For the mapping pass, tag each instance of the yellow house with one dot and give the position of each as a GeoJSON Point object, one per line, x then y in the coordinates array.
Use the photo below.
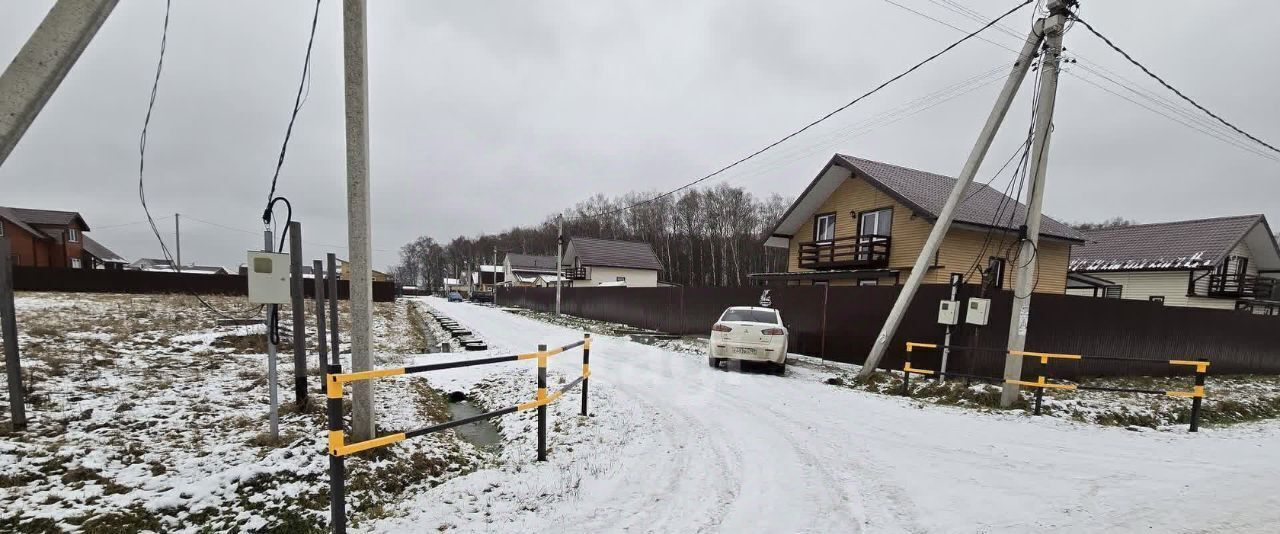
{"type": "Point", "coordinates": [863, 222]}
{"type": "Point", "coordinates": [344, 272]}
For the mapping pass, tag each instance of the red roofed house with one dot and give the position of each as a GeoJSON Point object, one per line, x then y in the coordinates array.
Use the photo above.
{"type": "Point", "coordinates": [49, 238]}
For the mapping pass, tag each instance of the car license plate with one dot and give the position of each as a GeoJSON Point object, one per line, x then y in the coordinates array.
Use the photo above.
{"type": "Point", "coordinates": [744, 350]}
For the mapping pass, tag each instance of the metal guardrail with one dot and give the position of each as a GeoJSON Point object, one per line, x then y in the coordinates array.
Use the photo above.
{"type": "Point", "coordinates": [1041, 383]}
{"type": "Point", "coordinates": [339, 449]}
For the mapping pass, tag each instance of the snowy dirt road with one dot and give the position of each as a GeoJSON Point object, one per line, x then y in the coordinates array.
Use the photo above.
{"type": "Point", "coordinates": [675, 446]}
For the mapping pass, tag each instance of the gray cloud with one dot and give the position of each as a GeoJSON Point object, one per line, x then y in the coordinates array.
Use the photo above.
{"type": "Point", "coordinates": [486, 115]}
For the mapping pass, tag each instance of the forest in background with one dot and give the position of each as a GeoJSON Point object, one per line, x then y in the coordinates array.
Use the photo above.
{"type": "Point", "coordinates": [712, 236]}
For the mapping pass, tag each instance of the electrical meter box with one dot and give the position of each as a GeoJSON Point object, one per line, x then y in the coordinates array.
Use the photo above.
{"type": "Point", "coordinates": [269, 278]}
{"type": "Point", "coordinates": [977, 313]}
{"type": "Point", "coordinates": [948, 312]}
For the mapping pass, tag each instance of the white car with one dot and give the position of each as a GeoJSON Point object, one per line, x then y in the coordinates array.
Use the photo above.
{"type": "Point", "coordinates": [750, 334]}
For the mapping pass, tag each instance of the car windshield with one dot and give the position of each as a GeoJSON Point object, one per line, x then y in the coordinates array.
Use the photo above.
{"type": "Point", "coordinates": [750, 316]}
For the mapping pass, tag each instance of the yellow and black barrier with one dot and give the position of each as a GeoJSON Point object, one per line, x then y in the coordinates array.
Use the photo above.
{"type": "Point", "coordinates": [1041, 383]}
{"type": "Point", "coordinates": [339, 448]}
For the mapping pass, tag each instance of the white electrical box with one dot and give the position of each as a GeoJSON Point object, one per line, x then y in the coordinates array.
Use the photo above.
{"type": "Point", "coordinates": [948, 312]}
{"type": "Point", "coordinates": [269, 278]}
{"type": "Point", "coordinates": [977, 313]}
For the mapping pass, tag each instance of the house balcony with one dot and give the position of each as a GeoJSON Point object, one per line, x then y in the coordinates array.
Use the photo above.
{"type": "Point", "coordinates": [855, 252]}
{"type": "Point", "coordinates": [574, 273]}
{"type": "Point", "coordinates": [1242, 286]}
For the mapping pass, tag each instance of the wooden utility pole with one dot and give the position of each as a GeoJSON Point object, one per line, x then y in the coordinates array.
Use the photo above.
{"type": "Point", "coordinates": [1025, 276]}
{"type": "Point", "coordinates": [177, 243]}
{"type": "Point", "coordinates": [9, 328]}
{"type": "Point", "coordinates": [945, 217]}
{"type": "Point", "coordinates": [355, 60]}
{"type": "Point", "coordinates": [299, 316]}
{"type": "Point", "coordinates": [559, 259]}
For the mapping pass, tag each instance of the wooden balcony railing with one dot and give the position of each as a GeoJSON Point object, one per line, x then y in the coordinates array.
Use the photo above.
{"type": "Point", "coordinates": [856, 252]}
{"type": "Point", "coordinates": [1241, 286]}
{"type": "Point", "coordinates": [575, 273]}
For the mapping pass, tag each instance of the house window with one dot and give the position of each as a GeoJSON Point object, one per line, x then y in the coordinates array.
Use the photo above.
{"type": "Point", "coordinates": [824, 227]}
{"type": "Point", "coordinates": [1112, 292]}
{"type": "Point", "coordinates": [73, 235]}
{"type": "Point", "coordinates": [622, 279]}
{"type": "Point", "coordinates": [75, 263]}
{"type": "Point", "coordinates": [1156, 298]}
{"type": "Point", "coordinates": [868, 282]}
{"type": "Point", "coordinates": [1, 229]}
{"type": "Point", "coordinates": [877, 223]}
{"type": "Point", "coordinates": [995, 272]}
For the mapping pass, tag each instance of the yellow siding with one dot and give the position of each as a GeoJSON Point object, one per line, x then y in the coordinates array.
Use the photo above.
{"type": "Point", "coordinates": [957, 253]}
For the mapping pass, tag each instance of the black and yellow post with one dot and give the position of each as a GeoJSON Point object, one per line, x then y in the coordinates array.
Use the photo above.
{"type": "Point", "coordinates": [337, 465]}
{"type": "Point", "coordinates": [586, 370]}
{"type": "Point", "coordinates": [1201, 372]}
{"type": "Point", "coordinates": [542, 407]}
{"type": "Point", "coordinates": [907, 369]}
{"type": "Point", "coordinates": [1197, 393]}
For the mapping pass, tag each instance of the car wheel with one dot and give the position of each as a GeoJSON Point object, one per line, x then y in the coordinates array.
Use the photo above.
{"type": "Point", "coordinates": [713, 362]}
{"type": "Point", "coordinates": [780, 369]}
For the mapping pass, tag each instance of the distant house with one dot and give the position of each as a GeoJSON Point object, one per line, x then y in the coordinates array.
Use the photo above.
{"type": "Point", "coordinates": [1224, 262]}
{"type": "Point", "coordinates": [606, 262]}
{"type": "Point", "coordinates": [526, 270]}
{"type": "Point", "coordinates": [863, 222]}
{"type": "Point", "coordinates": [486, 277]}
{"type": "Point", "coordinates": [165, 266]}
{"type": "Point", "coordinates": [101, 257]}
{"type": "Point", "coordinates": [344, 272]}
{"type": "Point", "coordinates": [51, 238]}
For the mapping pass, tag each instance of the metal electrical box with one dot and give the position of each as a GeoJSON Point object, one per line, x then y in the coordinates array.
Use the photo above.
{"type": "Point", "coordinates": [978, 309]}
{"type": "Point", "coordinates": [269, 278]}
{"type": "Point", "coordinates": [948, 312]}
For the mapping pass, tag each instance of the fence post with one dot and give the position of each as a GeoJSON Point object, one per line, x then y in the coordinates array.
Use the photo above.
{"type": "Point", "coordinates": [12, 361]}
{"type": "Point", "coordinates": [586, 370]}
{"type": "Point", "coordinates": [299, 316]}
{"type": "Point", "coordinates": [1039, 396]}
{"type": "Point", "coordinates": [334, 335]}
{"type": "Point", "coordinates": [322, 337]}
{"type": "Point", "coordinates": [1201, 371]}
{"type": "Point", "coordinates": [337, 465]}
{"type": "Point", "coordinates": [542, 410]}
{"type": "Point", "coordinates": [906, 383]}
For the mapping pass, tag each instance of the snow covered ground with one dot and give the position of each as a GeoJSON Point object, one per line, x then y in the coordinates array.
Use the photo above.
{"type": "Point", "coordinates": [674, 446]}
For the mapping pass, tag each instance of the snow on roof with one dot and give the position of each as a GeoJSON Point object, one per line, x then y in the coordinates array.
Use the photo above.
{"type": "Point", "coordinates": [1176, 245]}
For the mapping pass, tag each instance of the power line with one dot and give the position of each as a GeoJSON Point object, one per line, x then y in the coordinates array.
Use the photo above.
{"type": "Point", "coordinates": [820, 119]}
{"type": "Point", "coordinates": [259, 233]}
{"type": "Point", "coordinates": [1194, 121]}
{"type": "Point", "coordinates": [1153, 76]}
{"type": "Point", "coordinates": [298, 100]}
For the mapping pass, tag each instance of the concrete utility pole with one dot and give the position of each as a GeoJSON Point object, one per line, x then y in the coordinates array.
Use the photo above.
{"type": "Point", "coordinates": [42, 63]}
{"type": "Point", "coordinates": [940, 227]}
{"type": "Point", "coordinates": [268, 245]}
{"type": "Point", "coordinates": [495, 276]}
{"type": "Point", "coordinates": [358, 231]}
{"type": "Point", "coordinates": [177, 242]}
{"type": "Point", "coordinates": [559, 259]}
{"type": "Point", "coordinates": [1025, 279]}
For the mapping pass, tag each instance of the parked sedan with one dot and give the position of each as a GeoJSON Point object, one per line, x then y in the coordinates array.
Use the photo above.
{"type": "Point", "coordinates": [748, 333]}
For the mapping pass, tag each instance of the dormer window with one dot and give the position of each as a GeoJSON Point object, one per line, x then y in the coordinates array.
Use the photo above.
{"type": "Point", "coordinates": [73, 235]}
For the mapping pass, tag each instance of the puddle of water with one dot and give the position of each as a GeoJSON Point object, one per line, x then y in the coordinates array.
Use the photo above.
{"type": "Point", "coordinates": [480, 433]}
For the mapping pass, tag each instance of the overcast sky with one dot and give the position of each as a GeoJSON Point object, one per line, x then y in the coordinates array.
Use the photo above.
{"type": "Point", "coordinates": [487, 115]}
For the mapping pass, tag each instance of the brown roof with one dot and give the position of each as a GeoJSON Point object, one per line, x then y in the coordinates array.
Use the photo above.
{"type": "Point", "coordinates": [1168, 246]}
{"type": "Point", "coordinates": [529, 262]}
{"type": "Point", "coordinates": [610, 253]}
{"type": "Point", "coordinates": [925, 193]}
{"type": "Point", "coordinates": [97, 250]}
{"type": "Point", "coordinates": [8, 215]}
{"type": "Point", "coordinates": [49, 217]}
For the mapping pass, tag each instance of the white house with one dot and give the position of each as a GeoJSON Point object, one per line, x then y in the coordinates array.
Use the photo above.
{"type": "Point", "coordinates": [1226, 262]}
{"type": "Point", "coordinates": [605, 262]}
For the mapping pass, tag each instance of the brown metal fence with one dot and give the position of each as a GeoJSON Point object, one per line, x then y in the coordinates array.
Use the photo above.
{"type": "Point", "coordinates": [148, 282]}
{"type": "Point", "coordinates": [841, 323]}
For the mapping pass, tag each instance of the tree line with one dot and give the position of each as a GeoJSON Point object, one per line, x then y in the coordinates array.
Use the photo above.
{"type": "Point", "coordinates": [711, 236]}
